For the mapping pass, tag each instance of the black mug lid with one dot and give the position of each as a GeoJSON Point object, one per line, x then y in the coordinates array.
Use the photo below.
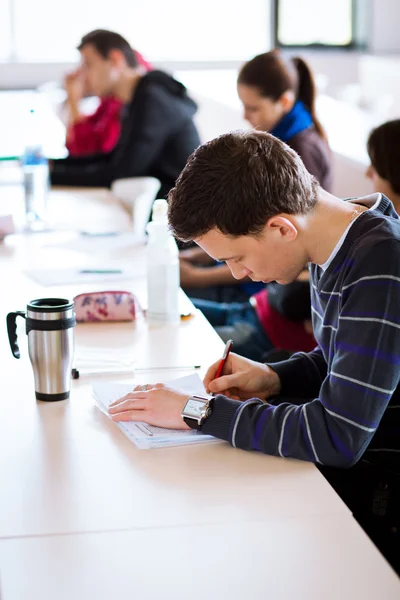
{"type": "Point", "coordinates": [50, 305]}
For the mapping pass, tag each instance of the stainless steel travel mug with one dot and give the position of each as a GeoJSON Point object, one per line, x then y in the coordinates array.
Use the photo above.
{"type": "Point", "coordinates": [50, 326]}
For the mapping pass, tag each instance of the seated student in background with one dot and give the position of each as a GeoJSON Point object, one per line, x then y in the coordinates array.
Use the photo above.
{"type": "Point", "coordinates": [157, 129]}
{"type": "Point", "coordinates": [384, 153]}
{"type": "Point", "coordinates": [246, 198]}
{"type": "Point", "coordinates": [99, 132]}
{"type": "Point", "coordinates": [278, 95]}
{"type": "Point", "coordinates": [276, 318]}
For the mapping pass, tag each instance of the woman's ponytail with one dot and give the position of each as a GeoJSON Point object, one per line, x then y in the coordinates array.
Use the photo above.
{"type": "Point", "coordinates": [306, 92]}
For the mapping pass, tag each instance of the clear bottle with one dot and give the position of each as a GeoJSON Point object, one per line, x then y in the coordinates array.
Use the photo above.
{"type": "Point", "coordinates": [162, 268]}
{"type": "Point", "coordinates": [35, 169]}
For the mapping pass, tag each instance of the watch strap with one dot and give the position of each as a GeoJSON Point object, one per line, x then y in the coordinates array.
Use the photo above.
{"type": "Point", "coordinates": [192, 423]}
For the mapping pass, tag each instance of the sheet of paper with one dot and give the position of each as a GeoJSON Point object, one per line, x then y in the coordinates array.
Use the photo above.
{"type": "Point", "coordinates": [90, 358]}
{"type": "Point", "coordinates": [66, 275]}
{"type": "Point", "coordinates": [147, 436]}
{"type": "Point", "coordinates": [101, 244]}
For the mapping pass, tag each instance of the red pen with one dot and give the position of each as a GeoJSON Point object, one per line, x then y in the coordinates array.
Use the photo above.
{"type": "Point", "coordinates": [227, 349]}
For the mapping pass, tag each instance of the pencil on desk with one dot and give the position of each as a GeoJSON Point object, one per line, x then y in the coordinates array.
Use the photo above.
{"type": "Point", "coordinates": [76, 373]}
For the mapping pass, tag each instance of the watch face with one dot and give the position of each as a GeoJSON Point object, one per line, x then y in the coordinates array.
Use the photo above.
{"type": "Point", "coordinates": [194, 408]}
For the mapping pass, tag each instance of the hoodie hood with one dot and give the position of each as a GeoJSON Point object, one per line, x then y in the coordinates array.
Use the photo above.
{"type": "Point", "coordinates": [173, 87]}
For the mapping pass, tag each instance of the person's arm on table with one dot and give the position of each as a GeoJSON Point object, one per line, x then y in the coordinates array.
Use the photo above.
{"type": "Point", "coordinates": [336, 427]}
{"type": "Point", "coordinates": [196, 256]}
{"type": "Point", "coordinates": [202, 277]}
{"type": "Point", "coordinates": [195, 275]}
{"type": "Point", "coordinates": [162, 406]}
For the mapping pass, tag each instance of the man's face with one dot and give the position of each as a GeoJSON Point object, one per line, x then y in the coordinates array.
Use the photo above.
{"type": "Point", "coordinates": [276, 254]}
{"type": "Point", "coordinates": [99, 72]}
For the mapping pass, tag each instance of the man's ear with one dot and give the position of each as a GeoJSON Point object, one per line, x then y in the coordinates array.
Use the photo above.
{"type": "Point", "coordinates": [283, 226]}
{"type": "Point", "coordinates": [116, 58]}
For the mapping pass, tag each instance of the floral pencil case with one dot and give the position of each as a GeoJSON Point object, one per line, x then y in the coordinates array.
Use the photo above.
{"type": "Point", "coordinates": [105, 306]}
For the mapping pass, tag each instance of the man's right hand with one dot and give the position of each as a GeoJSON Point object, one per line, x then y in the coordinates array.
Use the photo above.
{"type": "Point", "coordinates": [242, 379]}
{"type": "Point", "coordinates": [74, 86]}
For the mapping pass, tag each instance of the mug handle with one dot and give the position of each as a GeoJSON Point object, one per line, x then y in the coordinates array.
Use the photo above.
{"type": "Point", "coordinates": [12, 331]}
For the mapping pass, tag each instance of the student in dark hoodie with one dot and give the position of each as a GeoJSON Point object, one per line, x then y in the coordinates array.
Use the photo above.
{"type": "Point", "coordinates": [278, 96]}
{"type": "Point", "coordinates": [157, 132]}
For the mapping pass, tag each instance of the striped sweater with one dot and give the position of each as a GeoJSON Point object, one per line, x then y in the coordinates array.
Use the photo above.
{"type": "Point", "coordinates": [342, 400]}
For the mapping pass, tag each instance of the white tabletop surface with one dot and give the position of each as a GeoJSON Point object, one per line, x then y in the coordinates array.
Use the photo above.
{"type": "Point", "coordinates": [67, 469]}
{"type": "Point", "coordinates": [303, 558]}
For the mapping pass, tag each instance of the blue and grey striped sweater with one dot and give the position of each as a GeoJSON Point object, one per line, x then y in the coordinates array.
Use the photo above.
{"type": "Point", "coordinates": [341, 401]}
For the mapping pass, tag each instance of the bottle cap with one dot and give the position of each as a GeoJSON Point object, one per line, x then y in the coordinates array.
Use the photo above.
{"type": "Point", "coordinates": [160, 210]}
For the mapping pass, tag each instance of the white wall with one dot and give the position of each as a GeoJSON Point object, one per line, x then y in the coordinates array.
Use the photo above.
{"type": "Point", "coordinates": [385, 26]}
{"type": "Point", "coordinates": [342, 68]}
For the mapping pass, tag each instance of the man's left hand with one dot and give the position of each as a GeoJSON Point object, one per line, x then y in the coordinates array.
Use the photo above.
{"type": "Point", "coordinates": [156, 405]}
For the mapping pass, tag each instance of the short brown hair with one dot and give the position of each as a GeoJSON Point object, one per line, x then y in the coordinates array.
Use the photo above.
{"type": "Point", "coordinates": [384, 152]}
{"type": "Point", "coordinates": [104, 41]}
{"type": "Point", "coordinates": [235, 183]}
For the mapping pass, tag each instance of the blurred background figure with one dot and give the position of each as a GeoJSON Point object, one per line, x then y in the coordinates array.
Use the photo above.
{"type": "Point", "coordinates": [384, 152]}
{"type": "Point", "coordinates": [278, 95]}
{"type": "Point", "coordinates": [98, 132]}
{"type": "Point", "coordinates": [157, 129]}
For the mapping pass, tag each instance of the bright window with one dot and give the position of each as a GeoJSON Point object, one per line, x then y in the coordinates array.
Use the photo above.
{"type": "Point", "coordinates": [314, 22]}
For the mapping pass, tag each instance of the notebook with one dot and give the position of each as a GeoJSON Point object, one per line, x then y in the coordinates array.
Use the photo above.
{"type": "Point", "coordinates": [146, 436]}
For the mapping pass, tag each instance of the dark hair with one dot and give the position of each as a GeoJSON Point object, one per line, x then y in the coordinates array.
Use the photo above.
{"type": "Point", "coordinates": [384, 151]}
{"type": "Point", "coordinates": [104, 41]}
{"type": "Point", "coordinates": [273, 75]}
{"type": "Point", "coordinates": [235, 183]}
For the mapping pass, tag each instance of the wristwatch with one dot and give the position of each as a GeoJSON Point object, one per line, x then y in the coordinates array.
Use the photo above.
{"type": "Point", "coordinates": [196, 410]}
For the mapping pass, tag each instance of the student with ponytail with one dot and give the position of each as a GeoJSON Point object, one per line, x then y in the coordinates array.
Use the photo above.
{"type": "Point", "coordinates": [278, 96]}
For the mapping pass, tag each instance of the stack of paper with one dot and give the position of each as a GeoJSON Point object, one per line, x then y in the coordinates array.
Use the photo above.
{"type": "Point", "coordinates": [146, 436]}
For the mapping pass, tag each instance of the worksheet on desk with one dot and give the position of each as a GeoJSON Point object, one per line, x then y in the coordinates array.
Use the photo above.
{"type": "Point", "coordinates": [98, 244]}
{"type": "Point", "coordinates": [146, 436]}
{"type": "Point", "coordinates": [85, 273]}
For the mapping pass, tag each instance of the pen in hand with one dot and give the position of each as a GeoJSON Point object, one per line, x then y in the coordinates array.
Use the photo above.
{"type": "Point", "coordinates": [227, 349]}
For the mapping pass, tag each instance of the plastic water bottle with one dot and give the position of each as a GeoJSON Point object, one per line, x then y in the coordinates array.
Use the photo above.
{"type": "Point", "coordinates": [35, 168]}
{"type": "Point", "coordinates": [162, 268]}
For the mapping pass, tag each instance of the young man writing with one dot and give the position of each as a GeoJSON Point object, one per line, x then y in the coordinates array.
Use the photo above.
{"type": "Point", "coordinates": [246, 198]}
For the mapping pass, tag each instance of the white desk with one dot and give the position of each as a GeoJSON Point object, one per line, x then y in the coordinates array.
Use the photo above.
{"type": "Point", "coordinates": [66, 469]}
{"type": "Point", "coordinates": [307, 558]}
